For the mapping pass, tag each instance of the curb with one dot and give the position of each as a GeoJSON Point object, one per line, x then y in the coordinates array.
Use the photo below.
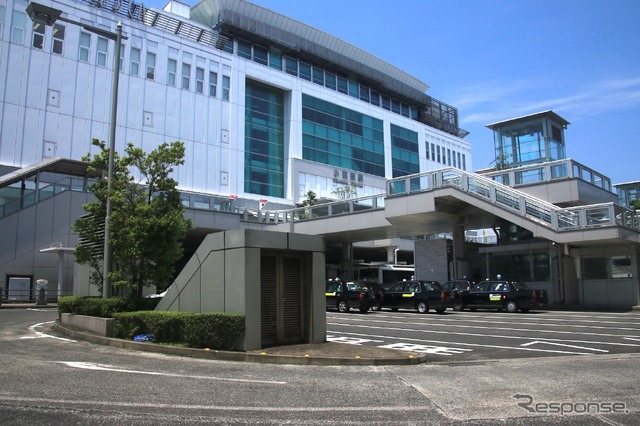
{"type": "Point", "coordinates": [254, 356]}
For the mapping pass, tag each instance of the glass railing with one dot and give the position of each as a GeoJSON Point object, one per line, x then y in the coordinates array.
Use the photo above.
{"type": "Point", "coordinates": [29, 197]}
{"type": "Point", "coordinates": [318, 211]}
{"type": "Point", "coordinates": [549, 171]}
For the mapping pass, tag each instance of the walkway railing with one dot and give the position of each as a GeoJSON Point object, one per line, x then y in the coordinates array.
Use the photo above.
{"type": "Point", "coordinates": [556, 218]}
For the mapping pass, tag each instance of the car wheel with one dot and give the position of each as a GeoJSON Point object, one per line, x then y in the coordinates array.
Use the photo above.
{"type": "Point", "coordinates": [364, 310]}
{"type": "Point", "coordinates": [459, 307]}
{"type": "Point", "coordinates": [376, 307]}
{"type": "Point", "coordinates": [441, 310]}
{"type": "Point", "coordinates": [511, 306]}
{"type": "Point", "coordinates": [343, 306]}
{"type": "Point", "coordinates": [422, 307]}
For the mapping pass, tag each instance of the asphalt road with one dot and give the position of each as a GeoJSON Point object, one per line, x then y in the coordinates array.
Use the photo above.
{"type": "Point", "coordinates": [48, 380]}
{"type": "Point", "coordinates": [490, 335]}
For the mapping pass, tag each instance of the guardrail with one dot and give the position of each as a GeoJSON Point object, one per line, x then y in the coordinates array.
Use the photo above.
{"type": "Point", "coordinates": [318, 211]}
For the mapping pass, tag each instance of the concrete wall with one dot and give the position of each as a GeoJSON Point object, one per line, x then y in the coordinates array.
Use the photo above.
{"type": "Point", "coordinates": [431, 260]}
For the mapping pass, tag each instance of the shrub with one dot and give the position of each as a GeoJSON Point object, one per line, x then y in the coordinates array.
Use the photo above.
{"type": "Point", "coordinates": [104, 308]}
{"type": "Point", "coordinates": [210, 330]}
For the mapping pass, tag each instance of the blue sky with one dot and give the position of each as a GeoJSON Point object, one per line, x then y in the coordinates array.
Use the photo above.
{"type": "Point", "coordinates": [500, 59]}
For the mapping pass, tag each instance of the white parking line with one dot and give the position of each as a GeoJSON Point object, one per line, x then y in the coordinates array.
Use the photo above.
{"type": "Point", "coordinates": [526, 338]}
{"type": "Point", "coordinates": [473, 345]}
{"type": "Point", "coordinates": [492, 328]}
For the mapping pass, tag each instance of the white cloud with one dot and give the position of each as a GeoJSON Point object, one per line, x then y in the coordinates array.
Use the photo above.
{"type": "Point", "coordinates": [495, 101]}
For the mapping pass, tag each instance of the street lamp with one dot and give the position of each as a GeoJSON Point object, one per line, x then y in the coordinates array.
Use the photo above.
{"type": "Point", "coordinates": [41, 14]}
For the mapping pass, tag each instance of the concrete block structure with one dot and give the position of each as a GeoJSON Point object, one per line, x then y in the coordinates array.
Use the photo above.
{"type": "Point", "coordinates": [275, 279]}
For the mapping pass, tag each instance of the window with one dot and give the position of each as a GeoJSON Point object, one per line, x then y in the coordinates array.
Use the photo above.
{"type": "Point", "coordinates": [101, 52]}
{"type": "Point", "coordinates": [226, 86]}
{"type": "Point", "coordinates": [305, 71]}
{"type": "Point", "coordinates": [291, 66]}
{"type": "Point", "coordinates": [244, 49]}
{"type": "Point", "coordinates": [135, 61]}
{"type": "Point", "coordinates": [172, 67]}
{"type": "Point", "coordinates": [58, 39]}
{"type": "Point", "coordinates": [38, 35]}
{"type": "Point", "coordinates": [186, 76]}
{"type": "Point", "coordinates": [199, 80]}
{"type": "Point", "coordinates": [151, 65]}
{"type": "Point", "coordinates": [213, 83]}
{"type": "Point", "coordinates": [18, 22]}
{"type": "Point", "coordinates": [318, 76]}
{"type": "Point", "coordinates": [121, 66]}
{"type": "Point", "coordinates": [275, 59]}
{"type": "Point", "coordinates": [85, 46]}
{"type": "Point", "coordinates": [260, 55]}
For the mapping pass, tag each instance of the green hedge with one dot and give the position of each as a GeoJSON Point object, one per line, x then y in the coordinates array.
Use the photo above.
{"type": "Point", "coordinates": [210, 330]}
{"type": "Point", "coordinates": [104, 308]}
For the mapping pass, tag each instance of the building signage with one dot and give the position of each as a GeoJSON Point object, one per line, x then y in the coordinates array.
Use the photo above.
{"type": "Point", "coordinates": [348, 177]}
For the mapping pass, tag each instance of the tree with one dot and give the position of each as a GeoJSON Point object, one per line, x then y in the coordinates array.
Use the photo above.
{"type": "Point", "coordinates": [147, 221]}
{"type": "Point", "coordinates": [346, 192]}
{"type": "Point", "coordinates": [635, 204]}
{"type": "Point", "coordinates": [310, 200]}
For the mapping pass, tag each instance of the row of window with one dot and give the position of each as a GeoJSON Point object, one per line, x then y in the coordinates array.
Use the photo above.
{"type": "Point", "coordinates": [191, 78]}
{"type": "Point", "coordinates": [446, 156]}
{"type": "Point", "coordinates": [273, 58]}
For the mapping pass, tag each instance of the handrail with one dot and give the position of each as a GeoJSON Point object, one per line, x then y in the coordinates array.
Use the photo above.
{"type": "Point", "coordinates": [547, 214]}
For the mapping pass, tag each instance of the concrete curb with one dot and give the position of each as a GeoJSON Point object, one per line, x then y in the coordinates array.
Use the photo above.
{"type": "Point", "coordinates": [263, 356]}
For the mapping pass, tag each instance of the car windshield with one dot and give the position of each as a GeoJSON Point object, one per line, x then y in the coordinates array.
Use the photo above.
{"type": "Point", "coordinates": [433, 285]}
{"type": "Point", "coordinates": [519, 286]}
{"type": "Point", "coordinates": [353, 286]}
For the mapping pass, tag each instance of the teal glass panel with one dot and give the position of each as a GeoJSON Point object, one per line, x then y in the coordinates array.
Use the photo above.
{"type": "Point", "coordinates": [264, 140]}
{"type": "Point", "coordinates": [404, 151]}
{"type": "Point", "coordinates": [275, 60]}
{"type": "Point", "coordinates": [348, 138]}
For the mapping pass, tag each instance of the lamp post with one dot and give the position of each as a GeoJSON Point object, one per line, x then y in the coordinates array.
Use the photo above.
{"type": "Point", "coordinates": [41, 14]}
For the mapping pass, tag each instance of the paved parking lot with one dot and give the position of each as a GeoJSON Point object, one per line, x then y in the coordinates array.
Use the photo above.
{"type": "Point", "coordinates": [482, 335]}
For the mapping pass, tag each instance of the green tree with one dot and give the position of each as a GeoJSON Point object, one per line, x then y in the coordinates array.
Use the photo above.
{"type": "Point", "coordinates": [346, 192]}
{"type": "Point", "coordinates": [147, 221]}
{"type": "Point", "coordinates": [310, 200]}
{"type": "Point", "coordinates": [635, 204]}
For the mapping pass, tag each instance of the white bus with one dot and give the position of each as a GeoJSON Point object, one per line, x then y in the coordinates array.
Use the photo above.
{"type": "Point", "coordinates": [385, 274]}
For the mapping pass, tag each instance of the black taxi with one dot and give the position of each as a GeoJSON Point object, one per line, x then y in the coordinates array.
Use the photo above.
{"type": "Point", "coordinates": [344, 295]}
{"type": "Point", "coordinates": [511, 296]}
{"type": "Point", "coordinates": [417, 294]}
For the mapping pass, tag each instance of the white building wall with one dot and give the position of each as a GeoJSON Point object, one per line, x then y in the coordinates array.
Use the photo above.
{"type": "Point", "coordinates": [54, 105]}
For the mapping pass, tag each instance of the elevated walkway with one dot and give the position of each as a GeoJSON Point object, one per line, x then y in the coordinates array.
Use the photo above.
{"type": "Point", "coordinates": [436, 201]}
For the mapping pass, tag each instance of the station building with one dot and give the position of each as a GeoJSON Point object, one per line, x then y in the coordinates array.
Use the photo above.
{"type": "Point", "coordinates": [269, 109]}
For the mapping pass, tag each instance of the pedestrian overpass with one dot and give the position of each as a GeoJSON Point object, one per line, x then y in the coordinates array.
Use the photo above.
{"type": "Point", "coordinates": [440, 200]}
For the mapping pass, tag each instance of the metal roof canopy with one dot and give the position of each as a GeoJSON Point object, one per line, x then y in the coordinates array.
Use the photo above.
{"type": "Point", "coordinates": [253, 22]}
{"type": "Point", "coordinates": [548, 114]}
{"type": "Point", "coordinates": [56, 165]}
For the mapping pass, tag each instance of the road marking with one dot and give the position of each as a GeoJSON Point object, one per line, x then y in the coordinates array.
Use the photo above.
{"type": "Point", "coordinates": [350, 340]}
{"type": "Point", "coordinates": [426, 349]}
{"type": "Point", "coordinates": [104, 367]}
{"type": "Point", "coordinates": [475, 345]}
{"type": "Point", "coordinates": [536, 342]}
{"type": "Point", "coordinates": [41, 335]}
{"type": "Point", "coordinates": [497, 336]}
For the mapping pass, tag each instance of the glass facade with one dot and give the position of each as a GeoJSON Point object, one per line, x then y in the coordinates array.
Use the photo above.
{"type": "Point", "coordinates": [264, 140]}
{"type": "Point", "coordinates": [528, 142]}
{"type": "Point", "coordinates": [404, 151]}
{"type": "Point", "coordinates": [341, 137]}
